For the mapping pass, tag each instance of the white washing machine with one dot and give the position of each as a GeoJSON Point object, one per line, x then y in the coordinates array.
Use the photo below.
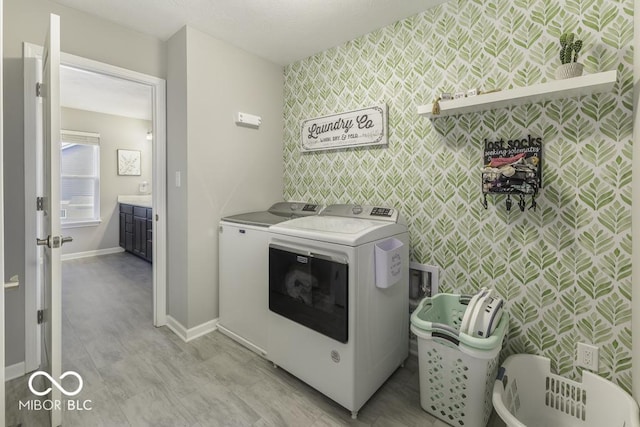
{"type": "Point", "coordinates": [334, 322]}
{"type": "Point", "coordinates": [243, 271]}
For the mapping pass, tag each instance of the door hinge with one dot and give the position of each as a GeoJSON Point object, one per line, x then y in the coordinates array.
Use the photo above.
{"type": "Point", "coordinates": [39, 203]}
{"type": "Point", "coordinates": [40, 317]}
{"type": "Point", "coordinates": [39, 90]}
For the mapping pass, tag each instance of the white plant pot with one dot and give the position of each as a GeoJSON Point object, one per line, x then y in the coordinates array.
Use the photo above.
{"type": "Point", "coordinates": [566, 71]}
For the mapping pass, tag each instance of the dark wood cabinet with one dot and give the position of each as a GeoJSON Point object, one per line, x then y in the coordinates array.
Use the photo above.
{"type": "Point", "coordinates": [136, 230]}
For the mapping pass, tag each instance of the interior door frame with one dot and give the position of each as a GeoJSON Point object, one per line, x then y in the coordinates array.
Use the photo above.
{"type": "Point", "coordinates": [52, 278]}
{"type": "Point", "coordinates": [2, 348]}
{"type": "Point", "coordinates": [159, 188]}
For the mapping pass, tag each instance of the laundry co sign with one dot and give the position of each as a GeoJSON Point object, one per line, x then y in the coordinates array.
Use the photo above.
{"type": "Point", "coordinates": [367, 126]}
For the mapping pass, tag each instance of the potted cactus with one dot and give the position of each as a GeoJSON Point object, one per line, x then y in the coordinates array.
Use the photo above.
{"type": "Point", "coordinates": [569, 50]}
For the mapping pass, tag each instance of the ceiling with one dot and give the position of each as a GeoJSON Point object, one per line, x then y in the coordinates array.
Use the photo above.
{"type": "Point", "coordinates": [281, 31]}
{"type": "Point", "coordinates": [85, 90]}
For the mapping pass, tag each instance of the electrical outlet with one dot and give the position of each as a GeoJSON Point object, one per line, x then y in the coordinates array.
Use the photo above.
{"type": "Point", "coordinates": [588, 356]}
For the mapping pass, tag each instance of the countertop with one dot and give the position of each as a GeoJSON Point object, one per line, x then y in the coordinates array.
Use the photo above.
{"type": "Point", "coordinates": [143, 200]}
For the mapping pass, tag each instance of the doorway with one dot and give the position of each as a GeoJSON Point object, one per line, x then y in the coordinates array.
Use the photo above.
{"type": "Point", "coordinates": [157, 133]}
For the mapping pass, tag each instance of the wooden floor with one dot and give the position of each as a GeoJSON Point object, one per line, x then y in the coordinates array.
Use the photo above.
{"type": "Point", "coordinates": [138, 375]}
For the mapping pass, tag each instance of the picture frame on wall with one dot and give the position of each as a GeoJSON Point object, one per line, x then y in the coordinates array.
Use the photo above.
{"type": "Point", "coordinates": [364, 127]}
{"type": "Point", "coordinates": [129, 162]}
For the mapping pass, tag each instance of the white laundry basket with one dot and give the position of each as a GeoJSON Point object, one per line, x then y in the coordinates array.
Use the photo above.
{"type": "Point", "coordinates": [456, 370]}
{"type": "Point", "coordinates": [527, 394]}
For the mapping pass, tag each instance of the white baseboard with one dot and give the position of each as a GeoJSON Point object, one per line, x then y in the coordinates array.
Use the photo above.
{"type": "Point", "coordinates": [251, 346]}
{"type": "Point", "coordinates": [88, 254]}
{"type": "Point", "coordinates": [14, 371]}
{"type": "Point", "coordinates": [192, 333]}
{"type": "Point", "coordinates": [177, 328]}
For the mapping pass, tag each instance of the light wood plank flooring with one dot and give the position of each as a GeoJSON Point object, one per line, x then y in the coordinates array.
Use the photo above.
{"type": "Point", "coordinates": [138, 375]}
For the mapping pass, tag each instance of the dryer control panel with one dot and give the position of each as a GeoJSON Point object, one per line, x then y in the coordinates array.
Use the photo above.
{"type": "Point", "coordinates": [385, 212]}
{"type": "Point", "coordinates": [311, 208]}
{"type": "Point", "coordinates": [379, 213]}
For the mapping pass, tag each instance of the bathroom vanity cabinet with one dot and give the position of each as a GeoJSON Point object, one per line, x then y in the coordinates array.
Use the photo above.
{"type": "Point", "coordinates": [136, 230]}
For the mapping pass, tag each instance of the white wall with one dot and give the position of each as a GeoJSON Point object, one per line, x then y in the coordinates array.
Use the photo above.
{"type": "Point", "coordinates": [231, 169]}
{"type": "Point", "coordinates": [177, 138]}
{"type": "Point", "coordinates": [82, 35]}
{"type": "Point", "coordinates": [116, 133]}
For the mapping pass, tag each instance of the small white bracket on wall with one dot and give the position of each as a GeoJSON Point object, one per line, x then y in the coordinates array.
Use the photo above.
{"type": "Point", "coordinates": [14, 282]}
{"type": "Point", "coordinates": [248, 120]}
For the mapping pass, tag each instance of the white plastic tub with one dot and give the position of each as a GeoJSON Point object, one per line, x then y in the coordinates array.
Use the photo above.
{"type": "Point", "coordinates": [527, 394]}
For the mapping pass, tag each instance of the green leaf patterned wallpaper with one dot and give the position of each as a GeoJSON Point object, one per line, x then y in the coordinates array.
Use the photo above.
{"type": "Point", "coordinates": [564, 269]}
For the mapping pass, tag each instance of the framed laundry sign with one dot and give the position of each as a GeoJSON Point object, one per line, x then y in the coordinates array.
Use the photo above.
{"type": "Point", "coordinates": [357, 128]}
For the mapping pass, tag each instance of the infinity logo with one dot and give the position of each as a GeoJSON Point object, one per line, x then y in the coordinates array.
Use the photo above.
{"type": "Point", "coordinates": [54, 382]}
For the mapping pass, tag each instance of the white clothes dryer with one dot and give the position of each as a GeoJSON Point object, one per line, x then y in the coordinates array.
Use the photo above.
{"type": "Point", "coordinates": [334, 322]}
{"type": "Point", "coordinates": [243, 271]}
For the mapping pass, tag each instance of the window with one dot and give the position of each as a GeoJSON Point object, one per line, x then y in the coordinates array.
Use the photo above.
{"type": "Point", "coordinates": [80, 179]}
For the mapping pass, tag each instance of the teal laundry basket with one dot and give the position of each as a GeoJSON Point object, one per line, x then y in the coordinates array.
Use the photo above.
{"type": "Point", "coordinates": [456, 370]}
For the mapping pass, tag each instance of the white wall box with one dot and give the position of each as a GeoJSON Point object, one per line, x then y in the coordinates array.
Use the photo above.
{"type": "Point", "coordinates": [555, 89]}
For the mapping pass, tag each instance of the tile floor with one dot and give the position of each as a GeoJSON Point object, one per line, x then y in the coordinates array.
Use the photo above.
{"type": "Point", "coordinates": [138, 375]}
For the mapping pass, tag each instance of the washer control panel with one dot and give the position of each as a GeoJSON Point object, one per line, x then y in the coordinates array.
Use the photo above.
{"type": "Point", "coordinates": [295, 209]}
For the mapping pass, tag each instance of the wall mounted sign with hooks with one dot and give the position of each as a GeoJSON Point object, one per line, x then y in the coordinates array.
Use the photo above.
{"type": "Point", "coordinates": [512, 167]}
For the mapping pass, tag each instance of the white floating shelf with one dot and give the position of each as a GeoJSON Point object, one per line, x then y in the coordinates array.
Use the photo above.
{"type": "Point", "coordinates": [555, 89]}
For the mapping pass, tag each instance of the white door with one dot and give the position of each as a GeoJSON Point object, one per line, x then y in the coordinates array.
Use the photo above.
{"type": "Point", "coordinates": [51, 238]}
{"type": "Point", "coordinates": [33, 187]}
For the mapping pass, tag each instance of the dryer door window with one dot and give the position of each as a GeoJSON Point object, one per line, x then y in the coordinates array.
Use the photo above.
{"type": "Point", "coordinates": [310, 289]}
